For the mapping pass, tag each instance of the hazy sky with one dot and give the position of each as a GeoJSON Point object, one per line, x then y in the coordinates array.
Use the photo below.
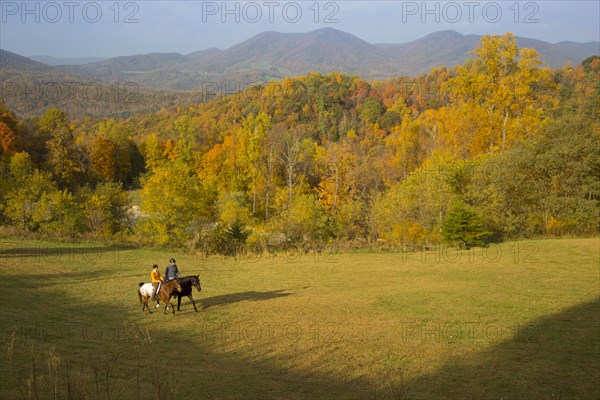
{"type": "Point", "coordinates": [68, 28]}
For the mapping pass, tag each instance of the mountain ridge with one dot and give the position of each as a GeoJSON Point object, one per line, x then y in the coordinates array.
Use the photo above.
{"type": "Point", "coordinates": [274, 55]}
{"type": "Point", "coordinates": [55, 61]}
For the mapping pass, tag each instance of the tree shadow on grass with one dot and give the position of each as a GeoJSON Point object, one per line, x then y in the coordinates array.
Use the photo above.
{"type": "Point", "coordinates": [122, 351]}
{"type": "Point", "coordinates": [554, 357]}
{"type": "Point", "coordinates": [10, 251]}
{"type": "Point", "coordinates": [231, 298]}
{"type": "Point", "coordinates": [38, 281]}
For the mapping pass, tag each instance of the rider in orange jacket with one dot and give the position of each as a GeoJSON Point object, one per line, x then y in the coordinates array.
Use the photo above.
{"type": "Point", "coordinates": [156, 281]}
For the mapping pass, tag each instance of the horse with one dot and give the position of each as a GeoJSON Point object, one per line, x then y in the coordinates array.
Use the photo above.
{"type": "Point", "coordinates": [164, 294]}
{"type": "Point", "coordinates": [186, 289]}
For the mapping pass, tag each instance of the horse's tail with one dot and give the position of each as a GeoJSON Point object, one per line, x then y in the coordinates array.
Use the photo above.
{"type": "Point", "coordinates": [139, 291]}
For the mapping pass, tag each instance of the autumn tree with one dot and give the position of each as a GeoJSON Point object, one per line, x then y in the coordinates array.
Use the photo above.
{"type": "Point", "coordinates": [302, 218]}
{"type": "Point", "coordinates": [7, 139]}
{"type": "Point", "coordinates": [412, 211]}
{"type": "Point", "coordinates": [154, 152]}
{"type": "Point", "coordinates": [104, 208]}
{"type": "Point", "coordinates": [14, 175]}
{"type": "Point", "coordinates": [406, 149]}
{"type": "Point", "coordinates": [64, 157]}
{"type": "Point", "coordinates": [371, 110]}
{"type": "Point", "coordinates": [175, 205]}
{"type": "Point", "coordinates": [128, 160]}
{"type": "Point", "coordinates": [295, 154]}
{"type": "Point", "coordinates": [186, 139]}
{"type": "Point", "coordinates": [24, 204]}
{"type": "Point", "coordinates": [17, 136]}
{"type": "Point", "coordinates": [103, 152]}
{"type": "Point", "coordinates": [509, 84]}
{"type": "Point", "coordinates": [57, 213]}
{"type": "Point", "coordinates": [256, 130]}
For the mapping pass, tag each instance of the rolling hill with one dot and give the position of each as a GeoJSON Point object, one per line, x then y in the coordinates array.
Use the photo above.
{"type": "Point", "coordinates": [29, 88]}
{"type": "Point", "coordinates": [15, 62]}
{"type": "Point", "coordinates": [119, 67]}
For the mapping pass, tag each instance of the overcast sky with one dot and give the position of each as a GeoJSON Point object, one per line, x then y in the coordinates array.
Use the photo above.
{"type": "Point", "coordinates": [67, 28]}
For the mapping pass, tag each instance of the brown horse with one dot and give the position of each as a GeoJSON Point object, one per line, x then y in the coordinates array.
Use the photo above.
{"type": "Point", "coordinates": [164, 294]}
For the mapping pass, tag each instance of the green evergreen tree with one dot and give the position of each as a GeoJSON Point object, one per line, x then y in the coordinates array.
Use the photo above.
{"type": "Point", "coordinates": [465, 228]}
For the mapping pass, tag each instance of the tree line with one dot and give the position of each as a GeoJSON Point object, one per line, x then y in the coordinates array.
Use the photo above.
{"type": "Point", "coordinates": [499, 147]}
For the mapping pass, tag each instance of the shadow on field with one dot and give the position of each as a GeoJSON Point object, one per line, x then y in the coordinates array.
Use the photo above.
{"type": "Point", "coordinates": [554, 357]}
{"type": "Point", "coordinates": [225, 299]}
{"type": "Point", "coordinates": [65, 348]}
{"type": "Point", "coordinates": [10, 251]}
{"type": "Point", "coordinates": [38, 281]}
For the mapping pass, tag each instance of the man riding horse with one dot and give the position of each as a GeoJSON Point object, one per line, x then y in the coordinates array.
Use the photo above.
{"type": "Point", "coordinates": [172, 271]}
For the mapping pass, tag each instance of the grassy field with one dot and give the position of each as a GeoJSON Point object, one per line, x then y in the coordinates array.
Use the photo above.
{"type": "Point", "coordinates": [515, 321]}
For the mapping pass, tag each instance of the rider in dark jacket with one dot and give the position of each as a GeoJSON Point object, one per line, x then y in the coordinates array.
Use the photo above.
{"type": "Point", "coordinates": [172, 271]}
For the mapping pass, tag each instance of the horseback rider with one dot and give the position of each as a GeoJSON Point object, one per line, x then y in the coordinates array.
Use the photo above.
{"type": "Point", "coordinates": [172, 272]}
{"type": "Point", "coordinates": [156, 281]}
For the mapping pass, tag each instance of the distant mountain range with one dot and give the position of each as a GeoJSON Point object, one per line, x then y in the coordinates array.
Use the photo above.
{"type": "Point", "coordinates": [274, 55]}
{"type": "Point", "coordinates": [54, 61]}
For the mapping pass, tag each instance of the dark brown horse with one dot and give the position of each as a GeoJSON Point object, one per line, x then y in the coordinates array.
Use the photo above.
{"type": "Point", "coordinates": [164, 294]}
{"type": "Point", "coordinates": [187, 282]}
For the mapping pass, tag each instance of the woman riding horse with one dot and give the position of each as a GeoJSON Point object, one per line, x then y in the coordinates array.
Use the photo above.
{"type": "Point", "coordinates": [164, 293]}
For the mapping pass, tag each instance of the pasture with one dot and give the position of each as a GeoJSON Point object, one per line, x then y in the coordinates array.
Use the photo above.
{"type": "Point", "coordinates": [518, 320]}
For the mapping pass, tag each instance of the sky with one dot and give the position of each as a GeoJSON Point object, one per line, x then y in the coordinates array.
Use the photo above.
{"type": "Point", "coordinates": [68, 28]}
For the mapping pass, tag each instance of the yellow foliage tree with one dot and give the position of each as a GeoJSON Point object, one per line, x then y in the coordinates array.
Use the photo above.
{"type": "Point", "coordinates": [509, 84]}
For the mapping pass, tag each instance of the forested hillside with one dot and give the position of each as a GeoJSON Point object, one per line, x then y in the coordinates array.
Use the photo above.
{"type": "Point", "coordinates": [496, 148]}
{"type": "Point", "coordinates": [29, 88]}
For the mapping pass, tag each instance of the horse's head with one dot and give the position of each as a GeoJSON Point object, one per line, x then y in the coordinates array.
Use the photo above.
{"type": "Point", "coordinates": [196, 282]}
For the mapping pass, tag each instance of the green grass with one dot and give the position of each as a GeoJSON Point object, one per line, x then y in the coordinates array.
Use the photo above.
{"type": "Point", "coordinates": [516, 321]}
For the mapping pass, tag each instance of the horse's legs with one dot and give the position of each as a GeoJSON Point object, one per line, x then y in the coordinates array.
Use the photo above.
{"type": "Point", "coordinates": [145, 304]}
{"type": "Point", "coordinates": [193, 302]}
{"type": "Point", "coordinates": [165, 299]}
{"type": "Point", "coordinates": [178, 302]}
{"type": "Point", "coordinates": [167, 304]}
